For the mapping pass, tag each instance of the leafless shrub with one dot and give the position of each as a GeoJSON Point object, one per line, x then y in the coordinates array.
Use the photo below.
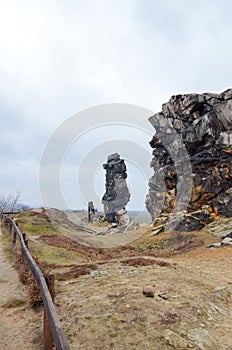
{"type": "Point", "coordinates": [76, 271]}
{"type": "Point", "coordinates": [183, 241]}
{"type": "Point", "coordinates": [169, 318]}
{"type": "Point", "coordinates": [144, 262]}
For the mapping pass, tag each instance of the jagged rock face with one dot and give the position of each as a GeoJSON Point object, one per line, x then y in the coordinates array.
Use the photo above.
{"type": "Point", "coordinates": [117, 194]}
{"type": "Point", "coordinates": [194, 129]}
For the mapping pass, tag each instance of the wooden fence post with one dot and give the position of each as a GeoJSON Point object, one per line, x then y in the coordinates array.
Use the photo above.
{"type": "Point", "coordinates": [14, 237]}
{"type": "Point", "coordinates": [48, 340]}
{"type": "Point", "coordinates": [25, 239]}
{"type": "Point", "coordinates": [54, 337]}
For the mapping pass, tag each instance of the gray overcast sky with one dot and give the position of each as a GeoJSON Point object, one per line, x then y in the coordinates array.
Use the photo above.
{"type": "Point", "coordinates": [60, 57]}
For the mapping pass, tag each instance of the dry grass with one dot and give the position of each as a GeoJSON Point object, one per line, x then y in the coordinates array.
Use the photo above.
{"type": "Point", "coordinates": [76, 271]}
{"type": "Point", "coordinates": [34, 298]}
{"type": "Point", "coordinates": [144, 262]}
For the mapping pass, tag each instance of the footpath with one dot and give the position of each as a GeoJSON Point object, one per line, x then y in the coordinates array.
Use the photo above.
{"type": "Point", "coordinates": [19, 326]}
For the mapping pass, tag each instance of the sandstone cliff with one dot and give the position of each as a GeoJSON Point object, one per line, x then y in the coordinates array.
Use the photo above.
{"type": "Point", "coordinates": [192, 154]}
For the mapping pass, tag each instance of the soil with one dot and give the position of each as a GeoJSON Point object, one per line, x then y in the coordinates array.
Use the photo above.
{"type": "Point", "coordinates": [102, 304]}
{"type": "Point", "coordinates": [191, 308]}
{"type": "Point", "coordinates": [20, 326]}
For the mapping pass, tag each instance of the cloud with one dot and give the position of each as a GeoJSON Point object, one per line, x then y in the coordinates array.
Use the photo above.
{"type": "Point", "coordinates": [57, 58]}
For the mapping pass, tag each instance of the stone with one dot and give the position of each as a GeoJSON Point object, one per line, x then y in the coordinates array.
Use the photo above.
{"type": "Point", "coordinates": [117, 194]}
{"type": "Point", "coordinates": [184, 221]}
{"type": "Point", "coordinates": [219, 288]}
{"type": "Point", "coordinates": [157, 230]}
{"type": "Point", "coordinates": [161, 220]}
{"type": "Point", "coordinates": [226, 241]}
{"type": "Point", "coordinates": [220, 227]}
{"type": "Point", "coordinates": [202, 338]}
{"type": "Point", "coordinates": [148, 292]}
{"type": "Point", "coordinates": [98, 273]}
{"type": "Point", "coordinates": [176, 340]}
{"type": "Point", "coordinates": [216, 309]}
{"type": "Point", "coordinates": [214, 245]}
{"type": "Point", "coordinates": [194, 128]}
{"type": "Point", "coordinates": [229, 234]}
{"type": "Point", "coordinates": [163, 296]}
{"type": "Point", "coordinates": [122, 217]}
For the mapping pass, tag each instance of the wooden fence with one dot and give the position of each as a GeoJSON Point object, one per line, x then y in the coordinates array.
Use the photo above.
{"type": "Point", "coordinates": [53, 332]}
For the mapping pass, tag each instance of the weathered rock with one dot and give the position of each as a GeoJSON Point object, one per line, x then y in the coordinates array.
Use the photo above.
{"type": "Point", "coordinates": [176, 340]}
{"type": "Point", "coordinates": [92, 212]}
{"type": "Point", "coordinates": [98, 273]}
{"type": "Point", "coordinates": [117, 194]}
{"type": "Point", "coordinates": [219, 228]}
{"type": "Point", "coordinates": [202, 338]}
{"type": "Point", "coordinates": [122, 217]}
{"type": "Point", "coordinates": [215, 309]}
{"type": "Point", "coordinates": [163, 296]}
{"type": "Point", "coordinates": [157, 230]}
{"type": "Point", "coordinates": [148, 292]}
{"type": "Point", "coordinates": [183, 221]}
{"type": "Point", "coordinates": [214, 245]}
{"type": "Point", "coordinates": [192, 148]}
{"type": "Point", "coordinates": [192, 221]}
{"type": "Point", "coordinates": [228, 235]}
{"type": "Point", "coordinates": [226, 241]}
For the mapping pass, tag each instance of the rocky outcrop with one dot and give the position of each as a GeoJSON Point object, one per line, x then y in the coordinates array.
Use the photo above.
{"type": "Point", "coordinates": [117, 194]}
{"type": "Point", "coordinates": [192, 155]}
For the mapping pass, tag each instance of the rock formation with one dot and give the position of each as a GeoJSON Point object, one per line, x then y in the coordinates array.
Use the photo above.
{"type": "Point", "coordinates": [117, 194]}
{"type": "Point", "coordinates": [192, 149]}
{"type": "Point", "coordinates": [91, 212]}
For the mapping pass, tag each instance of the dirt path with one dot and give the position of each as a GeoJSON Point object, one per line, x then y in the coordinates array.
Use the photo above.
{"type": "Point", "coordinates": [19, 326]}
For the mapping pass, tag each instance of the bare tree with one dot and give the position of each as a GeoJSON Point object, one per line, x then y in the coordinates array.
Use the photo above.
{"type": "Point", "coordinates": [9, 202]}
{"type": "Point", "coordinates": [4, 203]}
{"type": "Point", "coordinates": [15, 199]}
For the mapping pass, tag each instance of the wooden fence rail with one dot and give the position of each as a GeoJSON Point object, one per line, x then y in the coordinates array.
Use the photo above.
{"type": "Point", "coordinates": [51, 318]}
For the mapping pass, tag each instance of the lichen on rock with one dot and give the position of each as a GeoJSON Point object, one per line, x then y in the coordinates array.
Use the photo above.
{"type": "Point", "coordinates": [117, 194]}
{"type": "Point", "coordinates": [203, 123]}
